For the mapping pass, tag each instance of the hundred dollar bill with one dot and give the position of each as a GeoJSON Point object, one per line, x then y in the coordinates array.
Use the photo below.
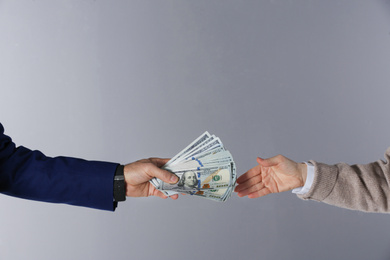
{"type": "Point", "coordinates": [201, 139]}
{"type": "Point", "coordinates": [199, 164]}
{"type": "Point", "coordinates": [211, 152]}
{"type": "Point", "coordinates": [209, 179]}
{"type": "Point", "coordinates": [209, 146]}
{"type": "Point", "coordinates": [216, 194]}
{"type": "Point", "coordinates": [196, 143]}
{"type": "Point", "coordinates": [206, 178]}
{"type": "Point", "coordinates": [205, 169]}
{"type": "Point", "coordinates": [182, 157]}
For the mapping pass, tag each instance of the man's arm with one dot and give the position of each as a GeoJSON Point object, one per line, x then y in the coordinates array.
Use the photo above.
{"type": "Point", "coordinates": [32, 175]}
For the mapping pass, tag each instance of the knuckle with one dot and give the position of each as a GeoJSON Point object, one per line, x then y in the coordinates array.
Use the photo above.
{"type": "Point", "coordinates": [279, 157]}
{"type": "Point", "coordinates": [150, 160]}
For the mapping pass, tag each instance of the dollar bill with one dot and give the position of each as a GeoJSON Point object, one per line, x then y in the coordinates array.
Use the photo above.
{"type": "Point", "coordinates": [205, 169]}
{"type": "Point", "coordinates": [205, 178]}
{"type": "Point", "coordinates": [201, 139]}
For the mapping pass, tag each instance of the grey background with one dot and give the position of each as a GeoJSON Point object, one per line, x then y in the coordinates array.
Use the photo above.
{"type": "Point", "coordinates": [124, 80]}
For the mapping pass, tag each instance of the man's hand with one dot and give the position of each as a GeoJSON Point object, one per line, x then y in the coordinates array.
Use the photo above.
{"type": "Point", "coordinates": [273, 175]}
{"type": "Point", "coordinates": [138, 174]}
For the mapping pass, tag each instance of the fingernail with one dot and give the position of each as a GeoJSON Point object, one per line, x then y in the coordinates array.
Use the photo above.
{"type": "Point", "coordinates": [174, 179]}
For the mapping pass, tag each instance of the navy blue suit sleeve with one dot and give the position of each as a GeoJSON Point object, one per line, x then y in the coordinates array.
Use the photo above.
{"type": "Point", "coordinates": [32, 175]}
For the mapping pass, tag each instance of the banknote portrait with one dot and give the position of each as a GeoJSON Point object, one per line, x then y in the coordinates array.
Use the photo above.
{"type": "Point", "coordinates": [188, 180]}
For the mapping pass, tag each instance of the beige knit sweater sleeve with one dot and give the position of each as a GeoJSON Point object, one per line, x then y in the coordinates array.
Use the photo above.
{"type": "Point", "coordinates": [359, 187]}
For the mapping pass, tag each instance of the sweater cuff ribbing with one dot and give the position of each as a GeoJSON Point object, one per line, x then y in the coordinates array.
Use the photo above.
{"type": "Point", "coordinates": [324, 181]}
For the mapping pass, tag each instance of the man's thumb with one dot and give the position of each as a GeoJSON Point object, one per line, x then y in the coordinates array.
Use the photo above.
{"type": "Point", "coordinates": [165, 176]}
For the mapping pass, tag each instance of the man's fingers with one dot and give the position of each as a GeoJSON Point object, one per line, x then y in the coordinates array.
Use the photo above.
{"type": "Point", "coordinates": [174, 197]}
{"type": "Point", "coordinates": [158, 193]}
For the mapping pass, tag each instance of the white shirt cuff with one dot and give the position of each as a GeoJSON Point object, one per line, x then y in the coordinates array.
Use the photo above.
{"type": "Point", "coordinates": [309, 180]}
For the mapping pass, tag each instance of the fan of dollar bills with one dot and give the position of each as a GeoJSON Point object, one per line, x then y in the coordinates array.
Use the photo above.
{"type": "Point", "coordinates": [205, 169]}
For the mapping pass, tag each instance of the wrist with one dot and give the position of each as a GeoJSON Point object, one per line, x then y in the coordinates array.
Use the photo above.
{"type": "Point", "coordinates": [303, 173]}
